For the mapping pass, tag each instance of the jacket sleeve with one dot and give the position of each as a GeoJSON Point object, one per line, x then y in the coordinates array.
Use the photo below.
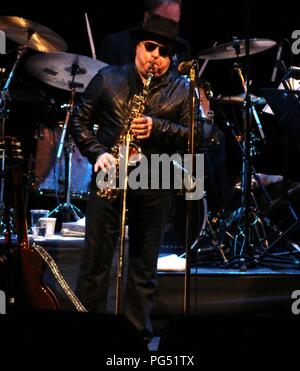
{"type": "Point", "coordinates": [175, 134]}
{"type": "Point", "coordinates": [83, 119]}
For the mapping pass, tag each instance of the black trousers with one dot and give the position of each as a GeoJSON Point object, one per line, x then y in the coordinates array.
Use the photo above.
{"type": "Point", "coordinates": [148, 214]}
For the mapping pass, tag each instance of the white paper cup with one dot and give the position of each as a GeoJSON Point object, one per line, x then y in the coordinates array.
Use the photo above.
{"type": "Point", "coordinates": [49, 223]}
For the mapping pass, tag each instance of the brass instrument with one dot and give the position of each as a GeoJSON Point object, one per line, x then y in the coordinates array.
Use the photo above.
{"type": "Point", "coordinates": [107, 184]}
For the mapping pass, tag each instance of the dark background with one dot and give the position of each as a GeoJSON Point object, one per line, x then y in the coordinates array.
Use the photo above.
{"type": "Point", "coordinates": [202, 23]}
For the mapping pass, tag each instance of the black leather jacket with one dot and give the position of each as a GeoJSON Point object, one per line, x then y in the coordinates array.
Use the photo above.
{"type": "Point", "coordinates": [105, 102]}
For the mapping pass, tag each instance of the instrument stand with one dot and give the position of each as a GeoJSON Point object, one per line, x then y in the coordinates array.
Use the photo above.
{"type": "Point", "coordinates": [244, 249]}
{"type": "Point", "coordinates": [123, 204]}
{"type": "Point", "coordinates": [4, 114]}
{"type": "Point", "coordinates": [189, 207]}
{"type": "Point", "coordinates": [250, 228]}
{"type": "Point", "coordinates": [66, 210]}
{"type": "Point", "coordinates": [286, 106]}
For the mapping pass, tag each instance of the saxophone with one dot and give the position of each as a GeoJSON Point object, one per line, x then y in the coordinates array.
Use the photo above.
{"type": "Point", "coordinates": [107, 184]}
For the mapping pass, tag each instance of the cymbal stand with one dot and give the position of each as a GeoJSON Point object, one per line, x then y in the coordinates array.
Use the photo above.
{"type": "Point", "coordinates": [68, 211]}
{"type": "Point", "coordinates": [4, 114]}
{"type": "Point", "coordinates": [260, 220]}
{"type": "Point", "coordinates": [255, 219]}
{"type": "Point", "coordinates": [250, 231]}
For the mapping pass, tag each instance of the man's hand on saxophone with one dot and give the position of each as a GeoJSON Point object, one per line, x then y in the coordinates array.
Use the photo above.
{"type": "Point", "coordinates": [142, 127]}
{"type": "Point", "coordinates": [104, 162]}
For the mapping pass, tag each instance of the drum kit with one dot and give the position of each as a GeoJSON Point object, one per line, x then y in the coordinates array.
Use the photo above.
{"type": "Point", "coordinates": [54, 67]}
{"type": "Point", "coordinates": [247, 231]}
{"type": "Point", "coordinates": [72, 73]}
{"type": "Point", "coordinates": [69, 72]}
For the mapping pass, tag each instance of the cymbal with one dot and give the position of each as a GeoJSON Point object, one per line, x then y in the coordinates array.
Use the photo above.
{"type": "Point", "coordinates": [240, 99]}
{"type": "Point", "coordinates": [236, 48]}
{"type": "Point", "coordinates": [42, 39]}
{"type": "Point", "coordinates": [55, 69]}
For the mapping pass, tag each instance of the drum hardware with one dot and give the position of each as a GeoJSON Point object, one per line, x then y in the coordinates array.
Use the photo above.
{"type": "Point", "coordinates": [211, 237]}
{"type": "Point", "coordinates": [29, 35]}
{"type": "Point", "coordinates": [257, 236]}
{"type": "Point", "coordinates": [71, 72]}
{"type": "Point", "coordinates": [251, 101]}
{"type": "Point", "coordinates": [68, 211]}
{"type": "Point", "coordinates": [32, 34]}
{"type": "Point", "coordinates": [240, 99]}
{"type": "Point", "coordinates": [4, 114]}
{"type": "Point", "coordinates": [279, 64]}
{"type": "Point", "coordinates": [206, 60]}
{"type": "Point", "coordinates": [236, 48]}
{"type": "Point", "coordinates": [210, 131]}
{"type": "Point", "coordinates": [254, 141]}
{"type": "Point", "coordinates": [49, 172]}
{"type": "Point", "coordinates": [10, 148]}
{"type": "Point", "coordinates": [285, 104]}
{"type": "Point", "coordinates": [212, 230]}
{"type": "Point", "coordinates": [265, 232]}
{"type": "Point", "coordinates": [249, 231]}
{"type": "Point", "coordinates": [55, 69]}
{"type": "Point", "coordinates": [226, 230]}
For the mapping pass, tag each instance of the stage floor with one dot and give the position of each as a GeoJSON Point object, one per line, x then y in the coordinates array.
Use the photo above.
{"type": "Point", "coordinates": [252, 304]}
{"type": "Point", "coordinates": [215, 288]}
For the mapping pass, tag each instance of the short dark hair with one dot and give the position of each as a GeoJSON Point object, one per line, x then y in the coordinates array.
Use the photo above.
{"type": "Point", "coordinates": [151, 5]}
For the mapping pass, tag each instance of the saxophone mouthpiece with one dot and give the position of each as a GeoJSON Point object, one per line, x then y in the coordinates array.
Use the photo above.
{"type": "Point", "coordinates": [151, 68]}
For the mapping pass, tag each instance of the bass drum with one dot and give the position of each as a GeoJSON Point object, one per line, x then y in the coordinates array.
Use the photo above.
{"type": "Point", "coordinates": [50, 171]}
{"type": "Point", "coordinates": [175, 235]}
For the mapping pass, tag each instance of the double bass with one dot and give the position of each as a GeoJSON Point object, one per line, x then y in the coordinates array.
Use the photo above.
{"type": "Point", "coordinates": [26, 289]}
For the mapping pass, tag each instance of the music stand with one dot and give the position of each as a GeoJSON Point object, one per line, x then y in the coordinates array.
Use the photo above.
{"type": "Point", "coordinates": [286, 107]}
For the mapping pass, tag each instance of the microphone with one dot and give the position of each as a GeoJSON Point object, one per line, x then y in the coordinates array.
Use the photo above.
{"type": "Point", "coordinates": [275, 69]}
{"type": "Point", "coordinates": [184, 67]}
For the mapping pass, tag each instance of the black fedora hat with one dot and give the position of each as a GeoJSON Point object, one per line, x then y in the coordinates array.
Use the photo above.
{"type": "Point", "coordinates": [160, 29]}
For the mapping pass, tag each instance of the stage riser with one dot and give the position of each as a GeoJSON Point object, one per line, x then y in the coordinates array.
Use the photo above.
{"type": "Point", "coordinates": [215, 292]}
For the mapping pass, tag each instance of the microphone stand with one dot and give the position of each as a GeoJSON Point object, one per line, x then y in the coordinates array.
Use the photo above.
{"type": "Point", "coordinates": [191, 150]}
{"type": "Point", "coordinates": [124, 182]}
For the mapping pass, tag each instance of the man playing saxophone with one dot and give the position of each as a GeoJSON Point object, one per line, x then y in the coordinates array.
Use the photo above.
{"type": "Point", "coordinates": [161, 127]}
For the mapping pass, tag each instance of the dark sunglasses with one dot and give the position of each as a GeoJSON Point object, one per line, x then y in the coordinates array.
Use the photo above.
{"type": "Point", "coordinates": [163, 51]}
